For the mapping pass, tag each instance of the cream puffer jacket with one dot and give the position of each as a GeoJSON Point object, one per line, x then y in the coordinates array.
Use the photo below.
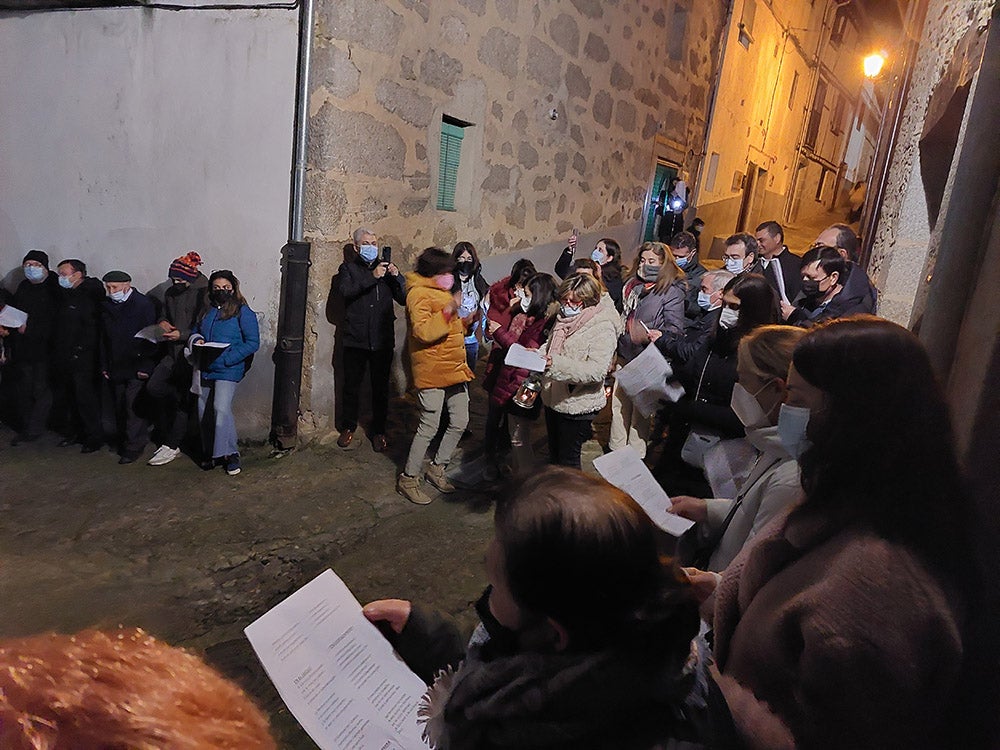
{"type": "Point", "coordinates": [574, 383]}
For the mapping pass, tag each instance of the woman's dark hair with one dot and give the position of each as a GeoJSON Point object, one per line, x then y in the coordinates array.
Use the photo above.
{"type": "Point", "coordinates": [466, 247]}
{"type": "Point", "coordinates": [882, 448]}
{"type": "Point", "coordinates": [758, 302]}
{"type": "Point", "coordinates": [434, 261]}
{"type": "Point", "coordinates": [584, 553]}
{"type": "Point", "coordinates": [522, 270]}
{"type": "Point", "coordinates": [542, 289]}
{"type": "Point", "coordinates": [231, 307]}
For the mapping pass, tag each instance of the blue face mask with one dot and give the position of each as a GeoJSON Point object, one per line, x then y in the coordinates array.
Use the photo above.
{"type": "Point", "coordinates": [734, 265]}
{"type": "Point", "coordinates": [704, 300]}
{"type": "Point", "coordinates": [118, 297]}
{"type": "Point", "coordinates": [683, 262]}
{"type": "Point", "coordinates": [570, 311]}
{"type": "Point", "coordinates": [597, 256]}
{"type": "Point", "coordinates": [368, 253]}
{"type": "Point", "coordinates": [792, 424]}
{"type": "Point", "coordinates": [34, 273]}
{"type": "Point", "coordinates": [65, 282]}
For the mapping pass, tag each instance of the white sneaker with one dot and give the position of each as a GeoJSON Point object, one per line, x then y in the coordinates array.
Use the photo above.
{"type": "Point", "coordinates": [164, 455]}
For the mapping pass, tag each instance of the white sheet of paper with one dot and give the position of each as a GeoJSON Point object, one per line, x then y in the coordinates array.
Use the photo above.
{"type": "Point", "coordinates": [625, 470]}
{"type": "Point", "coordinates": [519, 356]}
{"type": "Point", "coordinates": [336, 673]}
{"type": "Point", "coordinates": [212, 345]}
{"type": "Point", "coordinates": [647, 380]}
{"type": "Point", "coordinates": [151, 333]}
{"type": "Point", "coordinates": [11, 317]}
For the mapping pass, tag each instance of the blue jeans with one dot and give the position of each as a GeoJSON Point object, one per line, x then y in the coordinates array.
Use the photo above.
{"type": "Point", "coordinates": [218, 433]}
{"type": "Point", "coordinates": [471, 351]}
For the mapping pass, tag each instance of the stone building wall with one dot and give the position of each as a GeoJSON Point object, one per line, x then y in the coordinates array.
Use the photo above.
{"type": "Point", "coordinates": [619, 75]}
{"type": "Point", "coordinates": [905, 245]}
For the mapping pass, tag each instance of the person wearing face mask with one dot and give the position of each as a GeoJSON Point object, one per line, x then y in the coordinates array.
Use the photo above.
{"type": "Point", "coordinates": [529, 327]}
{"type": "Point", "coordinates": [654, 310]}
{"type": "Point", "coordinates": [703, 416]}
{"type": "Point", "coordinates": [580, 349]}
{"type": "Point", "coordinates": [822, 294]}
{"type": "Point", "coordinates": [468, 272]}
{"type": "Point", "coordinates": [740, 253]}
{"type": "Point", "coordinates": [38, 296]}
{"type": "Point", "coordinates": [859, 617]}
{"type": "Point", "coordinates": [607, 254]}
{"type": "Point", "coordinates": [169, 386]}
{"type": "Point", "coordinates": [227, 320]}
{"type": "Point", "coordinates": [684, 247]}
{"type": "Point", "coordinates": [371, 288]}
{"type": "Point", "coordinates": [127, 361]}
{"type": "Point", "coordinates": [75, 355]}
{"type": "Point", "coordinates": [440, 371]}
{"type": "Point", "coordinates": [725, 525]}
{"type": "Point", "coordinates": [583, 632]}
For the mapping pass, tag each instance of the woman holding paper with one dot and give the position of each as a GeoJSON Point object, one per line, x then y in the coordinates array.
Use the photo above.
{"type": "Point", "coordinates": [230, 322]}
{"type": "Point", "coordinates": [654, 308]}
{"type": "Point", "coordinates": [529, 328]}
{"type": "Point", "coordinates": [579, 352]}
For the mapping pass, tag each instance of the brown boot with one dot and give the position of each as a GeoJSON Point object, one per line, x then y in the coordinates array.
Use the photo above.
{"type": "Point", "coordinates": [409, 487]}
{"type": "Point", "coordinates": [436, 476]}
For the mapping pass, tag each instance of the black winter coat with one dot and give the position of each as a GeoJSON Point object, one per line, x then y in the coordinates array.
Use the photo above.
{"type": "Point", "coordinates": [369, 314]}
{"type": "Point", "coordinates": [183, 308]}
{"type": "Point", "coordinates": [123, 355]}
{"type": "Point", "coordinates": [40, 301]}
{"type": "Point", "coordinates": [709, 406]}
{"type": "Point", "coordinates": [76, 341]}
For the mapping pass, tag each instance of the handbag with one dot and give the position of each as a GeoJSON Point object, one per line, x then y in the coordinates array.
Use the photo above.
{"type": "Point", "coordinates": [696, 546]}
{"type": "Point", "coordinates": [699, 438]}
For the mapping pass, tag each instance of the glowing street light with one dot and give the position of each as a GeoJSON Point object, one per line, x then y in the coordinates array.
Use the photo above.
{"type": "Point", "coordinates": [873, 64]}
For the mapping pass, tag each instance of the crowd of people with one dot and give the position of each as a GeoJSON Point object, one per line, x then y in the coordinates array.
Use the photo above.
{"type": "Point", "coordinates": [104, 364]}
{"type": "Point", "coordinates": [832, 599]}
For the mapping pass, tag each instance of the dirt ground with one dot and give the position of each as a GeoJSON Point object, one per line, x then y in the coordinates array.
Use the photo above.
{"type": "Point", "coordinates": [194, 557]}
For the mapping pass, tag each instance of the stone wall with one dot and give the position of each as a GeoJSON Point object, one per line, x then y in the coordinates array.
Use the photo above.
{"type": "Point", "coordinates": [617, 75]}
{"type": "Point", "coordinates": [905, 247]}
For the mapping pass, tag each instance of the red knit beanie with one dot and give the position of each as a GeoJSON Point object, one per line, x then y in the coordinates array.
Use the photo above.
{"type": "Point", "coordinates": [185, 267]}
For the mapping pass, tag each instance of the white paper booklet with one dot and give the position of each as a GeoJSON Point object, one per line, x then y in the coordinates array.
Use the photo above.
{"type": "Point", "coordinates": [336, 672]}
{"type": "Point", "coordinates": [647, 381]}
{"type": "Point", "coordinates": [529, 359]}
{"type": "Point", "coordinates": [625, 470]}
{"type": "Point", "coordinates": [11, 317]}
{"type": "Point", "coordinates": [151, 333]}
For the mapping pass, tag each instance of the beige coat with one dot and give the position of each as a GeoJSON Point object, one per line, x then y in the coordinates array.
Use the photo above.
{"type": "Point", "coordinates": [574, 383]}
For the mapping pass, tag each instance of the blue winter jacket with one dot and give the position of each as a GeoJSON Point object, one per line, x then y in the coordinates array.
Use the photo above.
{"type": "Point", "coordinates": [242, 335]}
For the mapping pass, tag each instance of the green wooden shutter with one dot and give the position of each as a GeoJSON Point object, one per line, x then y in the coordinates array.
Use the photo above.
{"type": "Point", "coordinates": [451, 151]}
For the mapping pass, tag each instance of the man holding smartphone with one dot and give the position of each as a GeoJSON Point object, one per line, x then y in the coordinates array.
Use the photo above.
{"type": "Point", "coordinates": [370, 285]}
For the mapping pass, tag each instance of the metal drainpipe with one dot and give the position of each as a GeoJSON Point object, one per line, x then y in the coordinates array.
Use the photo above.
{"type": "Point", "coordinates": [294, 262]}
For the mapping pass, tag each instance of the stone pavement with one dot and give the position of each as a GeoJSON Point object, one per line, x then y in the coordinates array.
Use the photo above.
{"type": "Point", "coordinates": [194, 556]}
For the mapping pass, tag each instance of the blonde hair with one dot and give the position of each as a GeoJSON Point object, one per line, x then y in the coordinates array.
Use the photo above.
{"type": "Point", "coordinates": [120, 688]}
{"type": "Point", "coordinates": [585, 288]}
{"type": "Point", "coordinates": [767, 350]}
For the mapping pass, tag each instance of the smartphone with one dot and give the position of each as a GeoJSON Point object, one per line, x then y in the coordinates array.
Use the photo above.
{"type": "Point", "coordinates": [387, 254]}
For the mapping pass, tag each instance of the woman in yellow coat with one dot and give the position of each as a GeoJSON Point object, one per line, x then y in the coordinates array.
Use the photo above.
{"type": "Point", "coordinates": [436, 337]}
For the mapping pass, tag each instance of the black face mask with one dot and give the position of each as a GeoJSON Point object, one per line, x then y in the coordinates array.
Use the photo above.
{"type": "Point", "coordinates": [810, 288]}
{"type": "Point", "coordinates": [465, 267]}
{"type": "Point", "coordinates": [220, 296]}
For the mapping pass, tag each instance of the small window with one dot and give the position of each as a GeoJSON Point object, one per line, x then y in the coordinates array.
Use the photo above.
{"type": "Point", "coordinates": [452, 132]}
{"type": "Point", "coordinates": [746, 23]}
{"type": "Point", "coordinates": [821, 188]}
{"type": "Point", "coordinates": [713, 170]}
{"type": "Point", "coordinates": [837, 120]}
{"type": "Point", "coordinates": [794, 90]}
{"type": "Point", "coordinates": [839, 26]}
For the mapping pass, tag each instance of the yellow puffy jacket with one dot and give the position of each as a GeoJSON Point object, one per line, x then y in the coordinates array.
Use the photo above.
{"type": "Point", "coordinates": [437, 344]}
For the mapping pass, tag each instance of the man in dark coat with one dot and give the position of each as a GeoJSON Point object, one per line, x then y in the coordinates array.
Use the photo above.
{"type": "Point", "coordinates": [127, 361]}
{"type": "Point", "coordinates": [75, 354]}
{"type": "Point", "coordinates": [858, 294]}
{"type": "Point", "coordinates": [37, 296]}
{"type": "Point", "coordinates": [170, 384]}
{"type": "Point", "coordinates": [684, 246]}
{"type": "Point", "coordinates": [780, 266]}
{"type": "Point", "coordinates": [370, 286]}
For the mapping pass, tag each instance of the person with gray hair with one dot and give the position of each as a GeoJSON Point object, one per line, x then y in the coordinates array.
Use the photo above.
{"type": "Point", "coordinates": [698, 330]}
{"type": "Point", "coordinates": [369, 285]}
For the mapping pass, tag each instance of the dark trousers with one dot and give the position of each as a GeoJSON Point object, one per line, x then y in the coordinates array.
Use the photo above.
{"type": "Point", "coordinates": [497, 434]}
{"type": "Point", "coordinates": [133, 429]}
{"type": "Point", "coordinates": [78, 388]}
{"type": "Point", "coordinates": [169, 386]}
{"type": "Point", "coordinates": [567, 433]}
{"type": "Point", "coordinates": [379, 364]}
{"type": "Point", "coordinates": [34, 395]}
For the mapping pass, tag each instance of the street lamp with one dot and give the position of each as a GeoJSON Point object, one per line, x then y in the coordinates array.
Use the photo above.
{"type": "Point", "coordinates": [873, 64]}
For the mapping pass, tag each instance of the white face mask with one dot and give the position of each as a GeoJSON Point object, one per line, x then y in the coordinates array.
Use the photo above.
{"type": "Point", "coordinates": [525, 303]}
{"type": "Point", "coordinates": [734, 265]}
{"type": "Point", "coordinates": [745, 406]}
{"type": "Point", "coordinates": [704, 300]}
{"type": "Point", "coordinates": [729, 317]}
{"type": "Point", "coordinates": [119, 297]}
{"type": "Point", "coordinates": [792, 424]}
{"type": "Point", "coordinates": [569, 311]}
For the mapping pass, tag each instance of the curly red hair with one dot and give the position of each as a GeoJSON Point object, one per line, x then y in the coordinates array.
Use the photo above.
{"type": "Point", "coordinates": [119, 689]}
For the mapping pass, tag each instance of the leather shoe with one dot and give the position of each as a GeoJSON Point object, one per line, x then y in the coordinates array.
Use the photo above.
{"type": "Point", "coordinates": [346, 436]}
{"type": "Point", "coordinates": [379, 443]}
{"type": "Point", "coordinates": [90, 448]}
{"type": "Point", "coordinates": [127, 458]}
